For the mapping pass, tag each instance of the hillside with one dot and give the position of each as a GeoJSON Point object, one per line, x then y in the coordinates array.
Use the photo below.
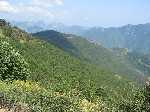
{"type": "Point", "coordinates": [58, 39]}
{"type": "Point", "coordinates": [141, 61]}
{"type": "Point", "coordinates": [93, 53]}
{"type": "Point", "coordinates": [138, 60]}
{"type": "Point", "coordinates": [48, 61]}
{"type": "Point", "coordinates": [59, 72]}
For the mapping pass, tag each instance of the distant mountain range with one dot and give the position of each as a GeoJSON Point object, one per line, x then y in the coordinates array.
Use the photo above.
{"type": "Point", "coordinates": [134, 37]}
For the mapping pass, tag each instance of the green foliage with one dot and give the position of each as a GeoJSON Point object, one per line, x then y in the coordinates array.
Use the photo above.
{"type": "Point", "coordinates": [57, 71]}
{"type": "Point", "coordinates": [12, 64]}
{"type": "Point", "coordinates": [91, 52]}
{"type": "Point", "coordinates": [146, 94]}
{"type": "Point", "coordinates": [140, 61]}
{"type": "Point", "coordinates": [139, 102]}
{"type": "Point", "coordinates": [36, 98]}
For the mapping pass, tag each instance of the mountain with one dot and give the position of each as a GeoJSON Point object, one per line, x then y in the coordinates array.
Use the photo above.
{"type": "Point", "coordinates": [93, 53]}
{"type": "Point", "coordinates": [134, 37]}
{"type": "Point", "coordinates": [68, 73]}
{"type": "Point", "coordinates": [58, 39]}
{"type": "Point", "coordinates": [52, 66]}
{"type": "Point", "coordinates": [33, 27]}
{"type": "Point", "coordinates": [115, 38]}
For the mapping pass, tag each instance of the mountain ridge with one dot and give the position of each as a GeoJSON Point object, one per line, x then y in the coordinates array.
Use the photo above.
{"type": "Point", "coordinates": [133, 37]}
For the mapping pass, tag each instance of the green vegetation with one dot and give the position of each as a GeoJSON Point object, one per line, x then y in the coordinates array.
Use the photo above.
{"type": "Point", "coordinates": [60, 82]}
{"type": "Point", "coordinates": [12, 65]}
{"type": "Point", "coordinates": [93, 53]}
{"type": "Point", "coordinates": [141, 61]}
{"type": "Point", "coordinates": [105, 58]}
{"type": "Point", "coordinates": [34, 98]}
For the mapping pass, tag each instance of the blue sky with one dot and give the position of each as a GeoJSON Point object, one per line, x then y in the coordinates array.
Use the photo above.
{"type": "Point", "coordinates": [104, 13]}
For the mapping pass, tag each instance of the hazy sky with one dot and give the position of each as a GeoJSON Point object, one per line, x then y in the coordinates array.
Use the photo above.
{"type": "Point", "coordinates": [78, 12]}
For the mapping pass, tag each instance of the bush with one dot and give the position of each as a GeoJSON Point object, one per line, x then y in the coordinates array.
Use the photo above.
{"type": "Point", "coordinates": [12, 64]}
{"type": "Point", "coordinates": [36, 97]}
{"type": "Point", "coordinates": [146, 99]}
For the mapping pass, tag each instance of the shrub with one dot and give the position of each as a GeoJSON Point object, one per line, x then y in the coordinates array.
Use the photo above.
{"type": "Point", "coordinates": [36, 97]}
{"type": "Point", "coordinates": [146, 99]}
{"type": "Point", "coordinates": [137, 103]}
{"type": "Point", "coordinates": [12, 64]}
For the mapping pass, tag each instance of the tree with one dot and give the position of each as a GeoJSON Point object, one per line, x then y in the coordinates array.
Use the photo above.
{"type": "Point", "coordinates": [12, 64]}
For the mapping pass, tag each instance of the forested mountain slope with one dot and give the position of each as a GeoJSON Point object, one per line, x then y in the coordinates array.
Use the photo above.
{"type": "Point", "coordinates": [92, 52]}
{"type": "Point", "coordinates": [54, 67]}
